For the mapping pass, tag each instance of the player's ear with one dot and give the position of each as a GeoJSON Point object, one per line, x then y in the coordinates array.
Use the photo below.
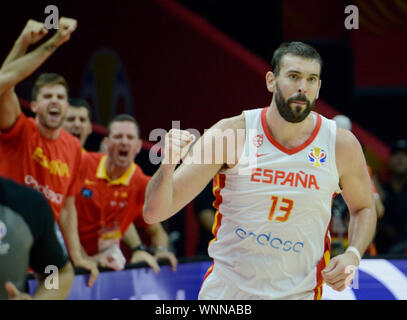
{"type": "Point", "coordinates": [270, 81]}
{"type": "Point", "coordinates": [89, 128]}
{"type": "Point", "coordinates": [104, 144]}
{"type": "Point", "coordinates": [139, 145]}
{"type": "Point", "coordinates": [34, 106]}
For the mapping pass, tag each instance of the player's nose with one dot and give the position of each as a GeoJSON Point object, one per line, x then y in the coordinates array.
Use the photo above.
{"type": "Point", "coordinates": [54, 99]}
{"type": "Point", "coordinates": [124, 141]}
{"type": "Point", "coordinates": [302, 86]}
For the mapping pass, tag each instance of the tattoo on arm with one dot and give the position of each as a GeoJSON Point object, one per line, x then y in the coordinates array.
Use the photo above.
{"type": "Point", "coordinates": [50, 47]}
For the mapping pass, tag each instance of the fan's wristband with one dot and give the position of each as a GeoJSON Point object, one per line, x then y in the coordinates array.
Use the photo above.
{"type": "Point", "coordinates": [355, 251]}
{"type": "Point", "coordinates": [161, 249]}
{"type": "Point", "coordinates": [140, 247]}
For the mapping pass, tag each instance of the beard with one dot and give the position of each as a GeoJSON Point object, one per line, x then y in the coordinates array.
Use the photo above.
{"type": "Point", "coordinates": [297, 113]}
{"type": "Point", "coordinates": [47, 123]}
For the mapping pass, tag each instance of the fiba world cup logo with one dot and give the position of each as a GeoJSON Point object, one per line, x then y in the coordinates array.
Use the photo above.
{"type": "Point", "coordinates": [3, 230]}
{"type": "Point", "coordinates": [317, 157]}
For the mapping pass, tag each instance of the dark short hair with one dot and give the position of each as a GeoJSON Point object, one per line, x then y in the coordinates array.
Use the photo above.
{"type": "Point", "coordinates": [78, 103]}
{"type": "Point", "coordinates": [48, 79]}
{"type": "Point", "coordinates": [122, 118]}
{"type": "Point", "coordinates": [295, 48]}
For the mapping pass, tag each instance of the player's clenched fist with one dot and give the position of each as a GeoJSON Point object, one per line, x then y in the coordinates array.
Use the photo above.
{"type": "Point", "coordinates": [65, 28]}
{"type": "Point", "coordinates": [33, 32]}
{"type": "Point", "coordinates": [177, 143]}
{"type": "Point", "coordinates": [340, 271]}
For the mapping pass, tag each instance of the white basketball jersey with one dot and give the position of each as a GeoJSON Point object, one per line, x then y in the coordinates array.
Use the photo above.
{"type": "Point", "coordinates": [273, 213]}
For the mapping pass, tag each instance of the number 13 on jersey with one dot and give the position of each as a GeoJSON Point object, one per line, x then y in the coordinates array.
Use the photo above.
{"type": "Point", "coordinates": [285, 206]}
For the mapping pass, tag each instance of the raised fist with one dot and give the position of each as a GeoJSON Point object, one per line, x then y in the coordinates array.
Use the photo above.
{"type": "Point", "coordinates": [65, 28]}
{"type": "Point", "coordinates": [33, 32]}
{"type": "Point", "coordinates": [177, 143]}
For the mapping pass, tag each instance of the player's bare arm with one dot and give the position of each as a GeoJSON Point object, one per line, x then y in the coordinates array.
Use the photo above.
{"type": "Point", "coordinates": [169, 191]}
{"type": "Point", "coordinates": [357, 192]}
{"type": "Point", "coordinates": [33, 32]}
{"type": "Point", "coordinates": [19, 65]}
{"type": "Point", "coordinates": [68, 222]}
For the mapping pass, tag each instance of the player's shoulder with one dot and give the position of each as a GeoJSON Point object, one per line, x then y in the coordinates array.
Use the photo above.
{"type": "Point", "coordinates": [22, 124]}
{"type": "Point", "coordinates": [234, 123]}
{"type": "Point", "coordinates": [348, 150]}
{"type": "Point", "coordinates": [346, 141]}
{"type": "Point", "coordinates": [28, 121]}
{"type": "Point", "coordinates": [239, 121]}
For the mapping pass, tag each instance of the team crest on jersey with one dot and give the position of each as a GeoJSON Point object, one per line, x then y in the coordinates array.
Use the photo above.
{"type": "Point", "coordinates": [317, 157]}
{"type": "Point", "coordinates": [87, 193]}
{"type": "Point", "coordinates": [258, 140]}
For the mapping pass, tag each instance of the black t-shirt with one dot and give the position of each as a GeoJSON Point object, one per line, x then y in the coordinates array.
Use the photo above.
{"type": "Point", "coordinates": [27, 235]}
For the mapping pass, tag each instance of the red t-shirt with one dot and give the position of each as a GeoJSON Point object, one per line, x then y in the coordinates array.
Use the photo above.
{"type": "Point", "coordinates": [49, 166]}
{"type": "Point", "coordinates": [103, 202]}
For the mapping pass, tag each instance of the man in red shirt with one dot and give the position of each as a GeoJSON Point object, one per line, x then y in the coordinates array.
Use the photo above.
{"type": "Point", "coordinates": [77, 121]}
{"type": "Point", "coordinates": [112, 197]}
{"type": "Point", "coordinates": [39, 153]}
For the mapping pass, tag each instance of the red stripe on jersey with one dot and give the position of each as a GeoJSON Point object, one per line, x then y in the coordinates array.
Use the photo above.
{"type": "Point", "coordinates": [218, 183]}
{"type": "Point", "coordinates": [321, 266]}
{"type": "Point", "coordinates": [208, 272]}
